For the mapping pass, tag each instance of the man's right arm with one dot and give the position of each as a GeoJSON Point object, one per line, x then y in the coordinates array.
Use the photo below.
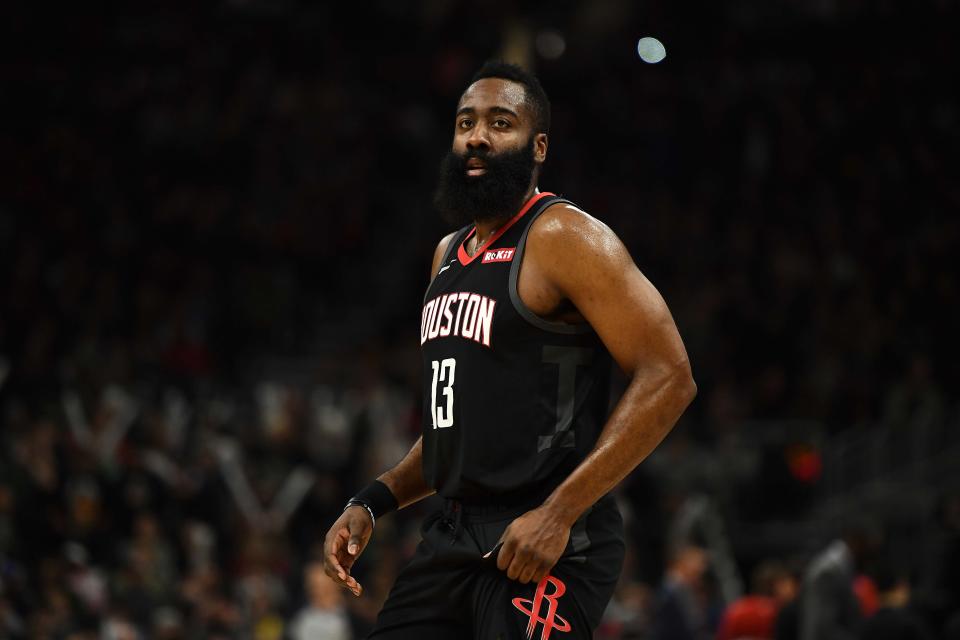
{"type": "Point", "coordinates": [349, 535]}
{"type": "Point", "coordinates": [405, 480]}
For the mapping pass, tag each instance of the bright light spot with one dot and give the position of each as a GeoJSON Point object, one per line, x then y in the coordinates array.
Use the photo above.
{"type": "Point", "coordinates": [550, 44]}
{"type": "Point", "coordinates": [651, 50]}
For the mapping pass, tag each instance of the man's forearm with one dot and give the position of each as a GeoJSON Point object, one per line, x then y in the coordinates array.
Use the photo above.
{"type": "Point", "coordinates": [650, 407]}
{"type": "Point", "coordinates": [405, 480]}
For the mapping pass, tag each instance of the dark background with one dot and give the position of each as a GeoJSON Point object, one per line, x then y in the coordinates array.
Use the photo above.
{"type": "Point", "coordinates": [216, 229]}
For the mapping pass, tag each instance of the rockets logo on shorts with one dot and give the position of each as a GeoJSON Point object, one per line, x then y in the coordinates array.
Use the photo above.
{"type": "Point", "coordinates": [462, 313]}
{"type": "Point", "coordinates": [551, 621]}
{"type": "Point", "coordinates": [498, 255]}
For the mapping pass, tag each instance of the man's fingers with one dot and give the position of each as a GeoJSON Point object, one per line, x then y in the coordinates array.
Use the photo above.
{"type": "Point", "coordinates": [344, 542]}
{"type": "Point", "coordinates": [341, 576]}
{"type": "Point", "coordinates": [540, 574]}
{"type": "Point", "coordinates": [353, 547]}
{"type": "Point", "coordinates": [526, 575]}
{"type": "Point", "coordinates": [334, 563]}
{"type": "Point", "coordinates": [333, 557]}
{"type": "Point", "coordinates": [335, 566]}
{"type": "Point", "coordinates": [359, 530]}
{"type": "Point", "coordinates": [521, 560]}
{"type": "Point", "coordinates": [505, 557]}
{"type": "Point", "coordinates": [513, 571]}
{"type": "Point", "coordinates": [336, 546]}
{"type": "Point", "coordinates": [338, 539]}
{"type": "Point", "coordinates": [542, 570]}
{"type": "Point", "coordinates": [353, 585]}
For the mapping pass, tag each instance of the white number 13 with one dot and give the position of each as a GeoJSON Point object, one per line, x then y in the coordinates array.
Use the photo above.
{"type": "Point", "coordinates": [443, 371]}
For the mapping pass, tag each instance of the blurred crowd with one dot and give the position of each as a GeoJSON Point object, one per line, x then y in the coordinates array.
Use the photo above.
{"type": "Point", "coordinates": [215, 231]}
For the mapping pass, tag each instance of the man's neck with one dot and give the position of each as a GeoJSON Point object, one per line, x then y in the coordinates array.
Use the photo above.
{"type": "Point", "coordinates": [486, 228]}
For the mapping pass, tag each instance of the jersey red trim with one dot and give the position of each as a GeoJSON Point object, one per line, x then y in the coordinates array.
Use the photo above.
{"type": "Point", "coordinates": [466, 258]}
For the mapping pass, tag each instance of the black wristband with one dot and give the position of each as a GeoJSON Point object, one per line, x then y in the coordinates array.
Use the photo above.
{"type": "Point", "coordinates": [377, 498]}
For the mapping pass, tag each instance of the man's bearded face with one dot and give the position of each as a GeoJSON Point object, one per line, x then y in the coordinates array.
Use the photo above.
{"type": "Point", "coordinates": [495, 194]}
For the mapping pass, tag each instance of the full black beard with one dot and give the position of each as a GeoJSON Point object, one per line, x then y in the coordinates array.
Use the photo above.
{"type": "Point", "coordinates": [496, 195]}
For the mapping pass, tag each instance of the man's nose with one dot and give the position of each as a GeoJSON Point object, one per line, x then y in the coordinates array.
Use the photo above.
{"type": "Point", "coordinates": [478, 139]}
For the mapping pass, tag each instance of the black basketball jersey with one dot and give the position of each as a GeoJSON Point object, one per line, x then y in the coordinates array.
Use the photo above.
{"type": "Point", "coordinates": [512, 402]}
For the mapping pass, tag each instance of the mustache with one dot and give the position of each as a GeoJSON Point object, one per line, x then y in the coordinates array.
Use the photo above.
{"type": "Point", "coordinates": [495, 161]}
{"type": "Point", "coordinates": [469, 154]}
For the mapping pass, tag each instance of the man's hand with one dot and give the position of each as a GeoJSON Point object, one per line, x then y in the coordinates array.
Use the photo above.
{"type": "Point", "coordinates": [532, 545]}
{"type": "Point", "coordinates": [344, 543]}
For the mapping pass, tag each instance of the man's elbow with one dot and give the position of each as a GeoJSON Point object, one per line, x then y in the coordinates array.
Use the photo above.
{"type": "Point", "coordinates": [686, 387]}
{"type": "Point", "coordinates": [674, 379]}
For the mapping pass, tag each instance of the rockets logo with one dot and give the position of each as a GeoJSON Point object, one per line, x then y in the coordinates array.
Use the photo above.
{"type": "Point", "coordinates": [551, 621]}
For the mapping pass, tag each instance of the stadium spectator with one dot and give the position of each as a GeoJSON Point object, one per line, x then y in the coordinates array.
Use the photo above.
{"type": "Point", "coordinates": [829, 608]}
{"type": "Point", "coordinates": [753, 616]}
{"type": "Point", "coordinates": [324, 615]}
{"type": "Point", "coordinates": [680, 612]}
{"type": "Point", "coordinates": [894, 620]}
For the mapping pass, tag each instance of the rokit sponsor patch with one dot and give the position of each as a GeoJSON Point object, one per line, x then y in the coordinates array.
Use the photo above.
{"type": "Point", "coordinates": [498, 255]}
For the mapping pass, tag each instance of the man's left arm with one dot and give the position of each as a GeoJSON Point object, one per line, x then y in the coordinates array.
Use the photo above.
{"type": "Point", "coordinates": [580, 259]}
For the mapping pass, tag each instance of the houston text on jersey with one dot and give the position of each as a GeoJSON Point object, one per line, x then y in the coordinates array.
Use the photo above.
{"type": "Point", "coordinates": [464, 314]}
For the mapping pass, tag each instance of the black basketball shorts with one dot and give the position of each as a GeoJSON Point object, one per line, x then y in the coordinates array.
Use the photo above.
{"type": "Point", "coordinates": [449, 591]}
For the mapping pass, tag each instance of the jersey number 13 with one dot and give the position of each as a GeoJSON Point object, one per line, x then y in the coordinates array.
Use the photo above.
{"type": "Point", "coordinates": [443, 373]}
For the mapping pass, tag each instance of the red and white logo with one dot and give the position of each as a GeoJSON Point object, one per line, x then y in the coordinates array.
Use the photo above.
{"type": "Point", "coordinates": [550, 621]}
{"type": "Point", "coordinates": [498, 255]}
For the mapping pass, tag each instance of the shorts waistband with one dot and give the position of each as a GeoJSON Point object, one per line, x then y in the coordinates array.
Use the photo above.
{"type": "Point", "coordinates": [485, 512]}
{"type": "Point", "coordinates": [496, 507]}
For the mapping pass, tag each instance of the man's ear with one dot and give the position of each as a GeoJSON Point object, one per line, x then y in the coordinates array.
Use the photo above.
{"type": "Point", "coordinates": [540, 148]}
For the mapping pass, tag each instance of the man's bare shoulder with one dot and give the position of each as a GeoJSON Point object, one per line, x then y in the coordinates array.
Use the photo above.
{"type": "Point", "coordinates": [444, 243]}
{"type": "Point", "coordinates": [440, 251]}
{"type": "Point", "coordinates": [566, 233]}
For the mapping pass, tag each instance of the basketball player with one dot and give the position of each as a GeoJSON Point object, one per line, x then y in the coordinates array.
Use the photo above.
{"type": "Point", "coordinates": [529, 302]}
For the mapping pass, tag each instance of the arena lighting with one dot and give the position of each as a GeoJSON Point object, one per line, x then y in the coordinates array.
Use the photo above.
{"type": "Point", "coordinates": [651, 50]}
{"type": "Point", "coordinates": [805, 462]}
{"type": "Point", "coordinates": [550, 44]}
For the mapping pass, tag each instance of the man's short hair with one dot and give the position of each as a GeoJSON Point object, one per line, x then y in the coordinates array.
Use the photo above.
{"type": "Point", "coordinates": [534, 96]}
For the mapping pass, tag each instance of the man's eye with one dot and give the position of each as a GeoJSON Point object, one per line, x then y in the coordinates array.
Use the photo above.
{"type": "Point", "coordinates": [463, 124]}
{"type": "Point", "coordinates": [501, 123]}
